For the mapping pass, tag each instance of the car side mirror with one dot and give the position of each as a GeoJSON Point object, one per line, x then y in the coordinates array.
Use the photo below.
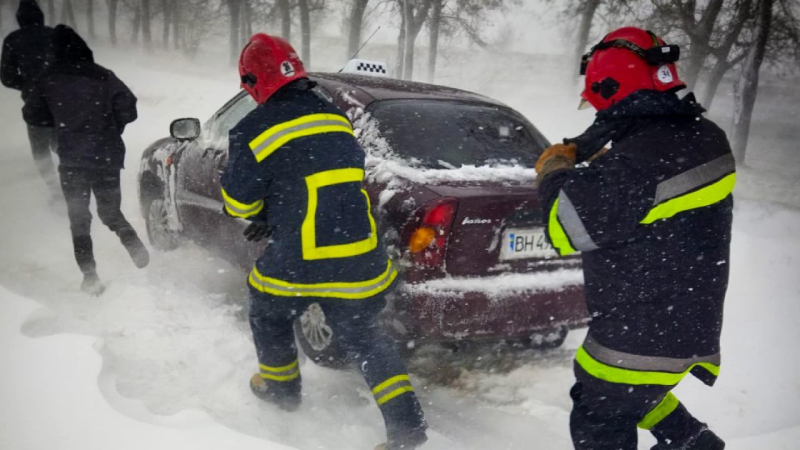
{"type": "Point", "coordinates": [185, 129]}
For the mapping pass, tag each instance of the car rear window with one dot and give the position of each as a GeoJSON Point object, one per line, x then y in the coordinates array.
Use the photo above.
{"type": "Point", "coordinates": [446, 134]}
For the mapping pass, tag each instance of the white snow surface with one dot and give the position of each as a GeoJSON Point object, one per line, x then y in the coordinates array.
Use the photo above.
{"type": "Point", "coordinates": [162, 359]}
{"type": "Point", "coordinates": [500, 286]}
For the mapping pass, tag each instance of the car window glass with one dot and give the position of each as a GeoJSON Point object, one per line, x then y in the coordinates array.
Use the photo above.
{"type": "Point", "coordinates": [446, 134]}
{"type": "Point", "coordinates": [228, 118]}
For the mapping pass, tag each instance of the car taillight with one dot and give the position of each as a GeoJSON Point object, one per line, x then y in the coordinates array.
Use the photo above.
{"type": "Point", "coordinates": [428, 243]}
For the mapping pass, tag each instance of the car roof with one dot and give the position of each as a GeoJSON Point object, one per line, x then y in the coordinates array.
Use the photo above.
{"type": "Point", "coordinates": [380, 88]}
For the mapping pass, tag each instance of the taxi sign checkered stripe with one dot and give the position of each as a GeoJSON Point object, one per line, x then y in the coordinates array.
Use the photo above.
{"type": "Point", "coordinates": [368, 67]}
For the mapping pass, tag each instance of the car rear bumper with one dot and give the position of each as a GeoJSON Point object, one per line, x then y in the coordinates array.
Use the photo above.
{"type": "Point", "coordinates": [507, 306]}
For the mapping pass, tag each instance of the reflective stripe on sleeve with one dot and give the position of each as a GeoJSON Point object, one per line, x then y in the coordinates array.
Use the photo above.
{"type": "Point", "coordinates": [275, 137]}
{"type": "Point", "coordinates": [345, 290]}
{"type": "Point", "coordinates": [239, 209]}
{"type": "Point", "coordinates": [558, 237]}
{"type": "Point", "coordinates": [573, 225]}
{"type": "Point", "coordinates": [392, 388]}
{"type": "Point", "coordinates": [660, 412]}
{"type": "Point", "coordinates": [285, 373]}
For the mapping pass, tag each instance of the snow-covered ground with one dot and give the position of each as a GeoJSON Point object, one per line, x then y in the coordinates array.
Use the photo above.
{"type": "Point", "coordinates": [162, 359]}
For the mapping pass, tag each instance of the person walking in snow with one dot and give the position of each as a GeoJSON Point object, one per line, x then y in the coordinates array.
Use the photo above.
{"type": "Point", "coordinates": [26, 53]}
{"type": "Point", "coordinates": [296, 172]}
{"type": "Point", "coordinates": [90, 108]}
{"type": "Point", "coordinates": [652, 217]}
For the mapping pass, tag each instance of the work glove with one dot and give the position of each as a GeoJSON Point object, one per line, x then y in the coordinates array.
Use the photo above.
{"type": "Point", "coordinates": [257, 230]}
{"type": "Point", "coordinates": [557, 156]}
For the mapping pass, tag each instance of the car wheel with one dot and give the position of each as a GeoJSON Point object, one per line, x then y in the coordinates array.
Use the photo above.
{"type": "Point", "coordinates": [158, 232]}
{"type": "Point", "coordinates": [317, 339]}
{"type": "Point", "coordinates": [544, 340]}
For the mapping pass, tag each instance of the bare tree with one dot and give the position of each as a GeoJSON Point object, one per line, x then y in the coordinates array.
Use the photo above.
{"type": "Point", "coordinates": [586, 11]}
{"type": "Point", "coordinates": [147, 35]}
{"type": "Point", "coordinates": [90, 18]}
{"type": "Point", "coordinates": [166, 9]}
{"type": "Point", "coordinates": [234, 13]}
{"type": "Point", "coordinates": [305, 31]}
{"type": "Point", "coordinates": [746, 87]}
{"type": "Point", "coordinates": [356, 23]}
{"type": "Point", "coordinates": [247, 23]}
{"type": "Point", "coordinates": [285, 9]}
{"type": "Point", "coordinates": [414, 14]}
{"type": "Point", "coordinates": [435, 25]}
{"type": "Point", "coordinates": [51, 12]}
{"type": "Point", "coordinates": [723, 51]}
{"type": "Point", "coordinates": [67, 14]}
{"type": "Point", "coordinates": [137, 21]}
{"type": "Point", "coordinates": [112, 21]}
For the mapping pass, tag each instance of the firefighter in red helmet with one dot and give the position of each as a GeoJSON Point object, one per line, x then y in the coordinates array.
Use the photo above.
{"type": "Point", "coordinates": [652, 217]}
{"type": "Point", "coordinates": [295, 171]}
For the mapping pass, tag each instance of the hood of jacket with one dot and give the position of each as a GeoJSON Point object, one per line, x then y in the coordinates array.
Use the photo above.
{"type": "Point", "coordinates": [69, 47]}
{"type": "Point", "coordinates": [29, 14]}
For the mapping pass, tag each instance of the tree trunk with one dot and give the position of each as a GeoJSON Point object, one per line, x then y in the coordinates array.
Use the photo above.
{"type": "Point", "coordinates": [234, 10]}
{"type": "Point", "coordinates": [90, 18]}
{"type": "Point", "coordinates": [137, 22]}
{"type": "Point", "coordinates": [166, 7]}
{"type": "Point", "coordinates": [68, 15]}
{"type": "Point", "coordinates": [305, 31]}
{"type": "Point", "coordinates": [587, 15]}
{"type": "Point", "coordinates": [747, 84]}
{"type": "Point", "coordinates": [286, 19]}
{"type": "Point", "coordinates": [51, 12]}
{"type": "Point", "coordinates": [433, 45]}
{"type": "Point", "coordinates": [176, 21]}
{"type": "Point", "coordinates": [700, 38]}
{"type": "Point", "coordinates": [112, 21]}
{"type": "Point", "coordinates": [247, 23]}
{"type": "Point", "coordinates": [356, 22]}
{"type": "Point", "coordinates": [147, 36]}
{"type": "Point", "coordinates": [401, 42]}
{"type": "Point", "coordinates": [714, 79]}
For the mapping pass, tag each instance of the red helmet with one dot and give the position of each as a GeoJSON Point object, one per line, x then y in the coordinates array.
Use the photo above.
{"type": "Point", "coordinates": [267, 64]}
{"type": "Point", "coordinates": [625, 61]}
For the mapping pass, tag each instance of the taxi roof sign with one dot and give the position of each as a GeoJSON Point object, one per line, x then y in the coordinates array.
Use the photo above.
{"type": "Point", "coordinates": [364, 67]}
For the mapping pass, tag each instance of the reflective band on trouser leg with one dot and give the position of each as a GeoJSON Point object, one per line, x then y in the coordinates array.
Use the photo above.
{"type": "Point", "coordinates": [345, 290]}
{"type": "Point", "coordinates": [636, 369]}
{"type": "Point", "coordinates": [239, 209]}
{"type": "Point", "coordinates": [285, 373]}
{"type": "Point", "coordinates": [279, 135]}
{"type": "Point", "coordinates": [660, 412]}
{"type": "Point", "coordinates": [392, 388]}
{"type": "Point", "coordinates": [558, 237]}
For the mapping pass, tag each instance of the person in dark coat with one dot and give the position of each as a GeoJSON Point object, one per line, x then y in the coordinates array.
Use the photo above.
{"type": "Point", "coordinates": [296, 172]}
{"type": "Point", "coordinates": [652, 217]}
{"type": "Point", "coordinates": [90, 108]}
{"type": "Point", "coordinates": [26, 53]}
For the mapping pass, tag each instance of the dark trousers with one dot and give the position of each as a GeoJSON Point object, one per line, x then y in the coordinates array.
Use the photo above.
{"type": "Point", "coordinates": [43, 144]}
{"type": "Point", "coordinates": [357, 335]}
{"type": "Point", "coordinates": [77, 185]}
{"type": "Point", "coordinates": [605, 415]}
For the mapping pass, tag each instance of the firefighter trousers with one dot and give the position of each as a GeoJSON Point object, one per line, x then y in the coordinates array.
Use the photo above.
{"type": "Point", "coordinates": [605, 416]}
{"type": "Point", "coordinates": [356, 334]}
{"type": "Point", "coordinates": [43, 144]}
{"type": "Point", "coordinates": [78, 185]}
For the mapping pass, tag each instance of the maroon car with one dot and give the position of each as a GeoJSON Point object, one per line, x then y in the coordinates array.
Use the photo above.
{"type": "Point", "coordinates": [450, 177]}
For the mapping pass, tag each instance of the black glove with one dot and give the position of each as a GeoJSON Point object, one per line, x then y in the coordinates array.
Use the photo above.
{"type": "Point", "coordinates": [257, 230]}
{"type": "Point", "coordinates": [594, 138]}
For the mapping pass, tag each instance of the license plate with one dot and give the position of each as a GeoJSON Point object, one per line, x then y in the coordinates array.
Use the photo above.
{"type": "Point", "coordinates": [522, 244]}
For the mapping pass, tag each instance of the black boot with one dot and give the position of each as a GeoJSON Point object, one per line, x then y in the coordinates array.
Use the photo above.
{"type": "Point", "coordinates": [705, 440]}
{"type": "Point", "coordinates": [286, 399]}
{"type": "Point", "coordinates": [406, 440]}
{"type": "Point", "coordinates": [92, 285]}
{"type": "Point", "coordinates": [135, 247]}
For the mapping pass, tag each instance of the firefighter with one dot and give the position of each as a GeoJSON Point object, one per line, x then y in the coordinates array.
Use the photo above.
{"type": "Point", "coordinates": [652, 217]}
{"type": "Point", "coordinates": [295, 171]}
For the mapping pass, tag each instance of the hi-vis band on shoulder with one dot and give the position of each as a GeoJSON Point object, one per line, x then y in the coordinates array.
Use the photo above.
{"type": "Point", "coordinates": [238, 209]}
{"type": "Point", "coordinates": [665, 407]}
{"type": "Point", "coordinates": [284, 373]}
{"type": "Point", "coordinates": [702, 186]}
{"type": "Point", "coordinates": [279, 135]}
{"type": "Point", "coordinates": [308, 230]}
{"type": "Point", "coordinates": [345, 290]}
{"type": "Point", "coordinates": [392, 388]}
{"type": "Point", "coordinates": [625, 368]}
{"type": "Point", "coordinates": [567, 231]}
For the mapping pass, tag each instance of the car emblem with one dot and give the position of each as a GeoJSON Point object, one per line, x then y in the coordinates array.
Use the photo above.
{"type": "Point", "coordinates": [468, 221]}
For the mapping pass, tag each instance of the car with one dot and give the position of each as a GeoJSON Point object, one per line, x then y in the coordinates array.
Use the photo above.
{"type": "Point", "coordinates": [451, 182]}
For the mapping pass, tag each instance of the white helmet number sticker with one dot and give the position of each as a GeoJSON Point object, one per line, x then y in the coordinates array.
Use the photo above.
{"type": "Point", "coordinates": [287, 69]}
{"type": "Point", "coordinates": [665, 75]}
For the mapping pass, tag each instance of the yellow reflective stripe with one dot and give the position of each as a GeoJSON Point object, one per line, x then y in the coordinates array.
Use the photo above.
{"type": "Point", "coordinates": [239, 209]}
{"type": "Point", "coordinates": [291, 377]}
{"type": "Point", "coordinates": [558, 237]}
{"type": "Point", "coordinates": [636, 377]}
{"type": "Point", "coordinates": [713, 193]}
{"type": "Point", "coordinates": [345, 290]}
{"type": "Point", "coordinates": [660, 412]}
{"type": "Point", "coordinates": [394, 394]}
{"type": "Point", "coordinates": [279, 135]}
{"type": "Point", "coordinates": [309, 228]}
{"type": "Point", "coordinates": [279, 369]}
{"type": "Point", "coordinates": [389, 382]}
